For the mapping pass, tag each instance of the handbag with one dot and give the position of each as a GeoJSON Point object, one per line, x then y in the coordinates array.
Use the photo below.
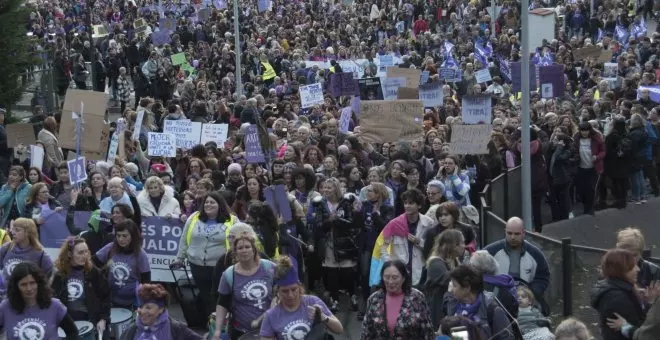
{"type": "Point", "coordinates": [319, 330]}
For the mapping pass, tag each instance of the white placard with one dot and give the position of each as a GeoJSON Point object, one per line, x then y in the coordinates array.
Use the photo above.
{"type": "Point", "coordinates": [547, 90]}
{"type": "Point", "coordinates": [114, 146]}
{"type": "Point", "coordinates": [477, 110]}
{"type": "Point", "coordinates": [36, 156]}
{"type": "Point", "coordinates": [138, 125]}
{"type": "Point", "coordinates": [311, 95]}
{"type": "Point", "coordinates": [187, 132]}
{"type": "Point", "coordinates": [161, 144]}
{"type": "Point", "coordinates": [431, 95]}
{"type": "Point", "coordinates": [214, 133]}
{"type": "Point", "coordinates": [483, 76]}
{"type": "Point", "coordinates": [390, 86]}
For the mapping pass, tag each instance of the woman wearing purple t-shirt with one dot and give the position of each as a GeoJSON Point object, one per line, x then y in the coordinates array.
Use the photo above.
{"type": "Point", "coordinates": [153, 321]}
{"type": "Point", "coordinates": [127, 263]}
{"type": "Point", "coordinates": [81, 286]}
{"type": "Point", "coordinates": [292, 317]}
{"type": "Point", "coordinates": [245, 289]}
{"type": "Point", "coordinates": [30, 311]}
{"type": "Point", "coordinates": [24, 247]}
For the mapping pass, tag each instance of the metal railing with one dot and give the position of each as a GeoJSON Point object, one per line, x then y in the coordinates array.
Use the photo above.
{"type": "Point", "coordinates": [573, 268]}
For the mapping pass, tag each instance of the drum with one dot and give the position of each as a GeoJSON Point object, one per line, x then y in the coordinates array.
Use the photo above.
{"type": "Point", "coordinates": [254, 335]}
{"type": "Point", "coordinates": [120, 320]}
{"type": "Point", "coordinates": [86, 331]}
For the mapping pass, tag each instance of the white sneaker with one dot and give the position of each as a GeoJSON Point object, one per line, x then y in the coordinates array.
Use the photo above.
{"type": "Point", "coordinates": [571, 215]}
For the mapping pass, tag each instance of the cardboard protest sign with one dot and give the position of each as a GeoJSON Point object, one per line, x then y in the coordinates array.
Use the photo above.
{"type": "Point", "coordinates": [476, 109]}
{"type": "Point", "coordinates": [161, 144]}
{"type": "Point", "coordinates": [102, 154]}
{"type": "Point", "coordinates": [94, 123]}
{"type": "Point", "coordinates": [214, 133]}
{"type": "Point", "coordinates": [20, 133]}
{"type": "Point", "coordinates": [140, 25]}
{"type": "Point", "coordinates": [390, 86]}
{"type": "Point", "coordinates": [391, 120]}
{"type": "Point", "coordinates": [412, 75]}
{"type": "Point", "coordinates": [469, 139]}
{"type": "Point", "coordinates": [407, 93]}
{"type": "Point", "coordinates": [99, 31]}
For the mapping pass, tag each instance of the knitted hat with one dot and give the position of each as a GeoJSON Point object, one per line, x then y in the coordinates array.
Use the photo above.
{"type": "Point", "coordinates": [234, 167]}
{"type": "Point", "coordinates": [291, 275]}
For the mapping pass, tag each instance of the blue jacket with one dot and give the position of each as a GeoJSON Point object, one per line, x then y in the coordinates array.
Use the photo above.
{"type": "Point", "coordinates": [6, 197]}
{"type": "Point", "coordinates": [533, 266]}
{"type": "Point", "coordinates": [653, 138]}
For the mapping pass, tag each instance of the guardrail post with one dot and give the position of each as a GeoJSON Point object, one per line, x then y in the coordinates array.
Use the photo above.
{"type": "Point", "coordinates": [567, 275]}
{"type": "Point", "coordinates": [505, 200]}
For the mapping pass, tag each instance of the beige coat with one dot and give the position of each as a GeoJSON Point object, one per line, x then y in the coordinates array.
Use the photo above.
{"type": "Point", "coordinates": [52, 146]}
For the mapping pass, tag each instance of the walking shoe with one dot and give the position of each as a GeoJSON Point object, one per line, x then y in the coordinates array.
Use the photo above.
{"type": "Point", "coordinates": [354, 303]}
{"type": "Point", "coordinates": [638, 202]}
{"type": "Point", "coordinates": [334, 306]}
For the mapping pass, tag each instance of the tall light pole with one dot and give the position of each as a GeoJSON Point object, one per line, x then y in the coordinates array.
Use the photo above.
{"type": "Point", "coordinates": [525, 120]}
{"type": "Point", "coordinates": [493, 18]}
{"type": "Point", "coordinates": [237, 48]}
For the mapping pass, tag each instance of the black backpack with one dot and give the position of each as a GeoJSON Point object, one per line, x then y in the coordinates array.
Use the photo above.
{"type": "Point", "coordinates": [624, 148]}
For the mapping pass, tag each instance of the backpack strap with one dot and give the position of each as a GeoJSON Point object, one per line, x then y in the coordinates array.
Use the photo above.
{"type": "Point", "coordinates": [229, 277]}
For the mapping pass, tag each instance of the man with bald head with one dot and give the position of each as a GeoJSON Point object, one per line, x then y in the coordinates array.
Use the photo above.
{"type": "Point", "coordinates": [520, 259]}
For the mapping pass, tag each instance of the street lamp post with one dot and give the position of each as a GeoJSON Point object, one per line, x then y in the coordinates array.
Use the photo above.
{"type": "Point", "coordinates": [525, 120]}
{"type": "Point", "coordinates": [237, 48]}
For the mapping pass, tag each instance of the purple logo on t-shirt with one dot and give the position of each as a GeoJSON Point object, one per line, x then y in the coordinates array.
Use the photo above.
{"type": "Point", "coordinates": [296, 330]}
{"type": "Point", "coordinates": [121, 272]}
{"type": "Point", "coordinates": [30, 329]}
{"type": "Point", "coordinates": [256, 292]}
{"type": "Point", "coordinates": [75, 289]}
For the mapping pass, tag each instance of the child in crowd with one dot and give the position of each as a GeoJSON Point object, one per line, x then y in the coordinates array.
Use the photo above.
{"type": "Point", "coordinates": [533, 325]}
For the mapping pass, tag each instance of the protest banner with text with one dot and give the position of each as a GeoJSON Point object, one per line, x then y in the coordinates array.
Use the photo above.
{"type": "Point", "coordinates": [476, 109]}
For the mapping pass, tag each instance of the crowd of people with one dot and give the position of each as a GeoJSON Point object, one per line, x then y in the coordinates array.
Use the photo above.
{"type": "Point", "coordinates": [392, 225]}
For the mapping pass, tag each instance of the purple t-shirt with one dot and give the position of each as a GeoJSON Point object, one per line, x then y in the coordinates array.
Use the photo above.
{"type": "Point", "coordinates": [124, 273]}
{"type": "Point", "coordinates": [251, 295]}
{"type": "Point", "coordinates": [34, 323]}
{"type": "Point", "coordinates": [15, 255]}
{"type": "Point", "coordinates": [283, 325]}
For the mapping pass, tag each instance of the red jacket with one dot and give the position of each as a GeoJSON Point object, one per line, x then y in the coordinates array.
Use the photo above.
{"type": "Point", "coordinates": [420, 26]}
{"type": "Point", "coordinates": [597, 149]}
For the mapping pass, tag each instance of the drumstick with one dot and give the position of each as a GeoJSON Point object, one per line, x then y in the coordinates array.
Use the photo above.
{"type": "Point", "coordinates": [297, 239]}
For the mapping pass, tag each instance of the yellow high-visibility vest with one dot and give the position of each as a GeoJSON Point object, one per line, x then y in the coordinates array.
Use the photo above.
{"type": "Point", "coordinates": [269, 72]}
{"type": "Point", "coordinates": [193, 222]}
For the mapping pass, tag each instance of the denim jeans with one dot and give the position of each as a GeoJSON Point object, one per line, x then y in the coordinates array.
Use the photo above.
{"type": "Point", "coordinates": [637, 185]}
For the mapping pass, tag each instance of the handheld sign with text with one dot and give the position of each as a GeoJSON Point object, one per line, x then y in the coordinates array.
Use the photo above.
{"type": "Point", "coordinates": [214, 133]}
{"type": "Point", "coordinates": [476, 110]}
{"type": "Point", "coordinates": [253, 152]}
{"type": "Point", "coordinates": [412, 75]}
{"type": "Point", "coordinates": [187, 132]}
{"type": "Point", "coordinates": [77, 170]}
{"type": "Point", "coordinates": [483, 76]}
{"type": "Point", "coordinates": [311, 95]}
{"type": "Point", "coordinates": [345, 120]}
{"type": "Point", "coordinates": [178, 59]}
{"type": "Point", "coordinates": [431, 94]}
{"type": "Point", "coordinates": [469, 139]}
{"type": "Point", "coordinates": [391, 86]}
{"type": "Point", "coordinates": [114, 146]}
{"type": "Point", "coordinates": [20, 133]}
{"type": "Point", "coordinates": [391, 120]}
{"type": "Point", "coordinates": [161, 144]}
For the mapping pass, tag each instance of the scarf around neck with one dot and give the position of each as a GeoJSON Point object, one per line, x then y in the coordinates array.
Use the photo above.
{"type": "Point", "coordinates": [159, 330]}
{"type": "Point", "coordinates": [470, 310]}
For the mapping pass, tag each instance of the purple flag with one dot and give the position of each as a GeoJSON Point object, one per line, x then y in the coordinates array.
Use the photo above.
{"type": "Point", "coordinates": [253, 152]}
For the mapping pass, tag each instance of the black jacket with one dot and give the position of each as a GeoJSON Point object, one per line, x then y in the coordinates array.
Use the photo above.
{"type": "Point", "coordinates": [611, 296]}
{"type": "Point", "coordinates": [562, 164]}
{"type": "Point", "coordinates": [97, 293]}
{"type": "Point", "coordinates": [639, 141]}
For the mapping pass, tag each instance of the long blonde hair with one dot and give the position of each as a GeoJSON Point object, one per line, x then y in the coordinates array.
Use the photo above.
{"type": "Point", "coordinates": [444, 247]}
{"type": "Point", "coordinates": [31, 232]}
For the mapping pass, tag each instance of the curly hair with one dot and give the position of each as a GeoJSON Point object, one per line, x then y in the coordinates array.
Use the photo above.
{"type": "Point", "coordinates": [153, 292]}
{"type": "Point", "coordinates": [63, 261]}
{"type": "Point", "coordinates": [21, 271]}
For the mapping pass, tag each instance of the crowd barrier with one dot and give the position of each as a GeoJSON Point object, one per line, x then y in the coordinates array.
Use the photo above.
{"type": "Point", "coordinates": [161, 239]}
{"type": "Point", "coordinates": [573, 268]}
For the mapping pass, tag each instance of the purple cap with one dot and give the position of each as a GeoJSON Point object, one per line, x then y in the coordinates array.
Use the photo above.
{"type": "Point", "coordinates": [291, 276]}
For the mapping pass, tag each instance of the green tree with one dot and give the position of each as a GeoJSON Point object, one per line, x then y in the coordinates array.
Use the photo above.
{"type": "Point", "coordinates": [17, 51]}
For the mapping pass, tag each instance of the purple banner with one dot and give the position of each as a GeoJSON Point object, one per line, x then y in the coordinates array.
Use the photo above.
{"type": "Point", "coordinates": [343, 84]}
{"type": "Point", "coordinates": [282, 200]}
{"type": "Point", "coordinates": [516, 77]}
{"type": "Point", "coordinates": [552, 82]}
{"type": "Point", "coordinates": [253, 152]}
{"type": "Point", "coordinates": [54, 230]}
{"type": "Point", "coordinates": [160, 38]}
{"type": "Point", "coordinates": [270, 198]}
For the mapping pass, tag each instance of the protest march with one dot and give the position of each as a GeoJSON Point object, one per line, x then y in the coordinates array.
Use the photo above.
{"type": "Point", "coordinates": [286, 169]}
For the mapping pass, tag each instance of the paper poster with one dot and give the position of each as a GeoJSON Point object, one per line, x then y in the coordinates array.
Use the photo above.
{"type": "Point", "coordinates": [476, 109]}
{"type": "Point", "coordinates": [370, 89]}
{"type": "Point", "coordinates": [345, 119]}
{"type": "Point", "coordinates": [138, 125]}
{"type": "Point", "coordinates": [77, 170]}
{"type": "Point", "coordinates": [114, 146]}
{"type": "Point", "coordinates": [424, 77]}
{"type": "Point", "coordinates": [546, 90]}
{"type": "Point", "coordinates": [483, 76]}
{"type": "Point", "coordinates": [187, 133]}
{"type": "Point", "coordinates": [36, 156]}
{"type": "Point", "coordinates": [431, 94]}
{"type": "Point", "coordinates": [263, 5]}
{"type": "Point", "coordinates": [390, 86]}
{"type": "Point", "coordinates": [450, 74]}
{"type": "Point", "coordinates": [311, 95]}
{"type": "Point", "coordinates": [469, 139]}
{"type": "Point", "coordinates": [94, 126]}
{"type": "Point", "coordinates": [214, 133]}
{"type": "Point", "coordinates": [178, 59]}
{"type": "Point", "coordinates": [161, 144]}
{"type": "Point", "coordinates": [391, 120]}
{"type": "Point", "coordinates": [253, 152]}
{"type": "Point", "coordinates": [385, 62]}
{"type": "Point", "coordinates": [20, 133]}
{"type": "Point", "coordinates": [411, 74]}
